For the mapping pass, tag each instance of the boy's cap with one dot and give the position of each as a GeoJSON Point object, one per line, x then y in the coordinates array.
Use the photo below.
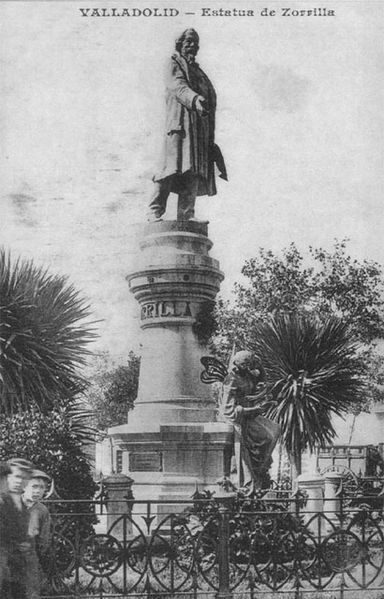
{"type": "Point", "coordinates": [21, 463]}
{"type": "Point", "coordinates": [41, 474]}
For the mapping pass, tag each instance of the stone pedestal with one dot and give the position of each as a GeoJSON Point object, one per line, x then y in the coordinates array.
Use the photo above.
{"type": "Point", "coordinates": [313, 486]}
{"type": "Point", "coordinates": [119, 503]}
{"type": "Point", "coordinates": [332, 499]}
{"type": "Point", "coordinates": [172, 437]}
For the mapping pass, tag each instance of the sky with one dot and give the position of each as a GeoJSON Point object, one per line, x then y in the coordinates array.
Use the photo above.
{"type": "Point", "coordinates": [299, 121]}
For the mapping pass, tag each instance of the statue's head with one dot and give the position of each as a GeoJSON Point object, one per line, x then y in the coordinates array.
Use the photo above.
{"type": "Point", "coordinates": [247, 361]}
{"type": "Point", "coordinates": [187, 44]}
{"type": "Point", "coordinates": [244, 359]}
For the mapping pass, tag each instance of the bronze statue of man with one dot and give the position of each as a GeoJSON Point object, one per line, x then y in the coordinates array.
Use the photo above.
{"type": "Point", "coordinates": [190, 152]}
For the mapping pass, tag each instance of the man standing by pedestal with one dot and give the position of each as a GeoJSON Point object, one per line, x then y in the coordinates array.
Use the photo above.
{"type": "Point", "coordinates": [190, 152]}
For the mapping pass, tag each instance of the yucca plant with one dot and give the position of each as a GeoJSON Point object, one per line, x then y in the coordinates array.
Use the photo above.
{"type": "Point", "coordinates": [313, 371]}
{"type": "Point", "coordinates": [43, 337]}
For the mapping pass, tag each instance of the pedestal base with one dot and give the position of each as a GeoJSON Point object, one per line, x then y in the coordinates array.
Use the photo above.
{"type": "Point", "coordinates": [171, 462]}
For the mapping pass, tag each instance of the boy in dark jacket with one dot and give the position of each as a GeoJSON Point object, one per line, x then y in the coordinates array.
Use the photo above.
{"type": "Point", "coordinates": [39, 529]}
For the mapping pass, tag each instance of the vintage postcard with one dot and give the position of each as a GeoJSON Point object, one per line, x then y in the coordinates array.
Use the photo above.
{"type": "Point", "coordinates": [148, 150]}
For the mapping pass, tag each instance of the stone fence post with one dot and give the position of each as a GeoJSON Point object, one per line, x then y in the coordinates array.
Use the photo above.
{"type": "Point", "coordinates": [119, 503]}
{"type": "Point", "coordinates": [313, 487]}
{"type": "Point", "coordinates": [332, 497]}
{"type": "Point", "coordinates": [225, 501]}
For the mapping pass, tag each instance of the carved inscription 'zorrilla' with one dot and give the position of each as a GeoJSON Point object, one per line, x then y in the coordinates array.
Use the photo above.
{"type": "Point", "coordinates": [165, 309]}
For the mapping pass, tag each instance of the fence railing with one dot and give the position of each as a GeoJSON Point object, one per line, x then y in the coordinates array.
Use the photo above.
{"type": "Point", "coordinates": [223, 547]}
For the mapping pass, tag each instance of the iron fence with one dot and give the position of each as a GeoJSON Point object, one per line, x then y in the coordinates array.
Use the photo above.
{"type": "Point", "coordinates": [222, 547]}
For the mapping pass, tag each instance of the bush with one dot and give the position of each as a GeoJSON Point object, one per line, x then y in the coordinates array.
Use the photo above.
{"type": "Point", "coordinates": [52, 444]}
{"type": "Point", "coordinates": [113, 389]}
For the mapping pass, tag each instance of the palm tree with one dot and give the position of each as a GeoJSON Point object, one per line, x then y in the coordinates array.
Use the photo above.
{"type": "Point", "coordinates": [43, 338]}
{"type": "Point", "coordinates": [313, 371]}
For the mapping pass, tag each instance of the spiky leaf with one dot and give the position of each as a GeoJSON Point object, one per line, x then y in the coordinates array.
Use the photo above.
{"type": "Point", "coordinates": [43, 337]}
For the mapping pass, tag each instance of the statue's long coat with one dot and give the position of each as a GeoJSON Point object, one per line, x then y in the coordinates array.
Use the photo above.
{"type": "Point", "coordinates": [189, 138]}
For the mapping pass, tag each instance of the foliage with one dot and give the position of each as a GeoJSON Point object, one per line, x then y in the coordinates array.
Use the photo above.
{"type": "Point", "coordinates": [205, 323]}
{"type": "Point", "coordinates": [266, 533]}
{"type": "Point", "coordinates": [322, 283]}
{"type": "Point", "coordinates": [255, 526]}
{"type": "Point", "coordinates": [328, 283]}
{"type": "Point", "coordinates": [43, 337]}
{"type": "Point", "coordinates": [375, 364]}
{"type": "Point", "coordinates": [313, 371]}
{"type": "Point", "coordinates": [300, 315]}
{"type": "Point", "coordinates": [51, 442]}
{"type": "Point", "coordinates": [113, 390]}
